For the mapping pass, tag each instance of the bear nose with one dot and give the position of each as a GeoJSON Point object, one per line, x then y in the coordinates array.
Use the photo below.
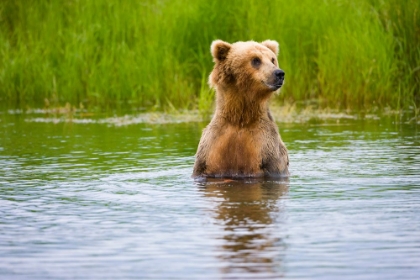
{"type": "Point", "coordinates": [279, 73]}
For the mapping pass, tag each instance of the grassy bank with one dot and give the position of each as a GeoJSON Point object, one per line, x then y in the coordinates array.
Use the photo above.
{"type": "Point", "coordinates": [155, 54]}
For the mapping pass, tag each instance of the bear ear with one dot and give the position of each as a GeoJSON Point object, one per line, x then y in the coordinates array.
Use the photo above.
{"type": "Point", "coordinates": [219, 50]}
{"type": "Point", "coordinates": [272, 45]}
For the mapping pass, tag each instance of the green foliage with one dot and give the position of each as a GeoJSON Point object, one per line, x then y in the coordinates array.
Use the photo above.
{"type": "Point", "coordinates": [155, 54]}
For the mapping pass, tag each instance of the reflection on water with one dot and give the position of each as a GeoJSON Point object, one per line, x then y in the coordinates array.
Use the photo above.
{"type": "Point", "coordinates": [248, 211]}
{"type": "Point", "coordinates": [93, 201]}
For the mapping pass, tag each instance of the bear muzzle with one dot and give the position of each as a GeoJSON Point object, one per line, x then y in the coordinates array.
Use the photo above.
{"type": "Point", "coordinates": [277, 80]}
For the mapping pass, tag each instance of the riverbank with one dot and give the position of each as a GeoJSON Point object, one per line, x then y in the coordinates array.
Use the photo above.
{"type": "Point", "coordinates": [281, 114]}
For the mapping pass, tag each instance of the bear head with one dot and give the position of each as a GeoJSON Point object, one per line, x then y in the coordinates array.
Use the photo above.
{"type": "Point", "coordinates": [248, 68]}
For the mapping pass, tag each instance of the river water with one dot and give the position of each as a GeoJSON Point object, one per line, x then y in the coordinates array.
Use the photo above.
{"type": "Point", "coordinates": [95, 200]}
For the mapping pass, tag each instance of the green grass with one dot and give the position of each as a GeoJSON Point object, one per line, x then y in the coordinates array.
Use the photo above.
{"type": "Point", "coordinates": [155, 54]}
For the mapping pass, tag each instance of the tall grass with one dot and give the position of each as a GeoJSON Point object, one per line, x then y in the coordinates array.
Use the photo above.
{"type": "Point", "coordinates": [154, 54]}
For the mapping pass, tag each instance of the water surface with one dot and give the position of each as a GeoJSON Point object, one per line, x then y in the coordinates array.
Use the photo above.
{"type": "Point", "coordinates": [99, 201]}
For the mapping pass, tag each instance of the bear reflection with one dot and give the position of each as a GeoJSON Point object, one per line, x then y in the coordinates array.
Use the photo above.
{"type": "Point", "coordinates": [250, 214]}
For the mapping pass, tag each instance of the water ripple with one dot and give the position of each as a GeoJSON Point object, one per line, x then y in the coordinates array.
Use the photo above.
{"type": "Point", "coordinates": [93, 201]}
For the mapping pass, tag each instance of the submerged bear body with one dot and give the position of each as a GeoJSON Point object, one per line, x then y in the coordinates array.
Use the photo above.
{"type": "Point", "coordinates": [242, 140]}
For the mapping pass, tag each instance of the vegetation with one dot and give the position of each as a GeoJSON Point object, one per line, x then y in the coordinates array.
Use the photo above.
{"type": "Point", "coordinates": [154, 54]}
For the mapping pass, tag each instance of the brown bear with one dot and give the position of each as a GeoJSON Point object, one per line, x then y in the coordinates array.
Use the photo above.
{"type": "Point", "coordinates": [242, 139]}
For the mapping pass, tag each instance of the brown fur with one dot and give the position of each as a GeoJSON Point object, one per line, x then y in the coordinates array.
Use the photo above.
{"type": "Point", "coordinates": [242, 140]}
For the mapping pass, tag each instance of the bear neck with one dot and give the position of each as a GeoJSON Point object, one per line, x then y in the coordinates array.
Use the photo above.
{"type": "Point", "coordinates": [241, 108]}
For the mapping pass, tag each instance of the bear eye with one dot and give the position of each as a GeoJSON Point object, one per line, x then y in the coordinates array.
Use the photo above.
{"type": "Point", "coordinates": [273, 60]}
{"type": "Point", "coordinates": [256, 62]}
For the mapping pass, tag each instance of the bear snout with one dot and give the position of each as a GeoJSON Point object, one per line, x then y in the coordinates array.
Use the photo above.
{"type": "Point", "coordinates": [278, 77]}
